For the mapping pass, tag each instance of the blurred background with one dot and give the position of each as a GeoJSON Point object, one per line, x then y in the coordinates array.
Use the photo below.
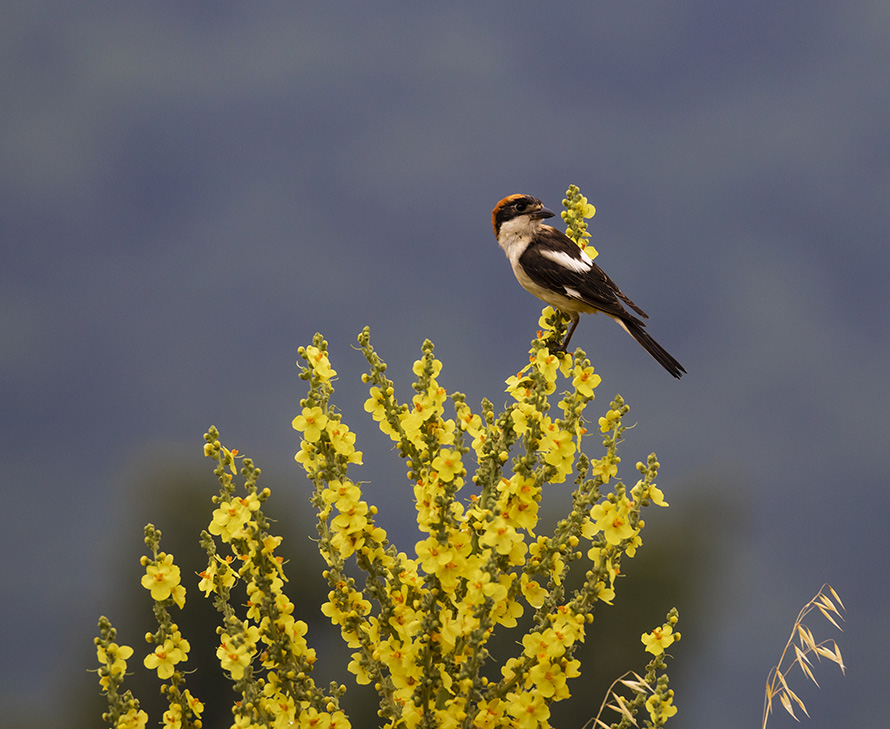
{"type": "Point", "coordinates": [190, 190]}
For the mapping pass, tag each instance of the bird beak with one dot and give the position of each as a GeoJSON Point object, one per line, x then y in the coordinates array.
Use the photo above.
{"type": "Point", "coordinates": [542, 213]}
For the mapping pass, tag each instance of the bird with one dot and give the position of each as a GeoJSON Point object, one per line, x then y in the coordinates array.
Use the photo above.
{"type": "Point", "coordinates": [550, 265]}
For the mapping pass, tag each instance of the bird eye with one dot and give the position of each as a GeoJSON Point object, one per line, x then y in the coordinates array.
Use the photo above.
{"type": "Point", "coordinates": [521, 206]}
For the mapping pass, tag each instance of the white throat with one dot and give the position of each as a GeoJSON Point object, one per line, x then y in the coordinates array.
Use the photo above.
{"type": "Point", "coordinates": [515, 235]}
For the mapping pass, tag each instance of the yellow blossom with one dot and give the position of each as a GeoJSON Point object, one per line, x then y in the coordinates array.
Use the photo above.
{"type": "Point", "coordinates": [375, 406]}
{"type": "Point", "coordinates": [559, 446]}
{"type": "Point", "coordinates": [519, 499]}
{"type": "Point", "coordinates": [114, 658]}
{"type": "Point", "coordinates": [548, 679]}
{"type": "Point", "coordinates": [659, 639]}
{"type": "Point", "coordinates": [311, 422]}
{"type": "Point", "coordinates": [133, 719]}
{"type": "Point", "coordinates": [356, 668]}
{"type": "Point", "coordinates": [235, 654]}
{"type": "Point", "coordinates": [533, 592]}
{"type": "Point", "coordinates": [568, 627]}
{"type": "Point", "coordinates": [353, 519]}
{"type": "Point", "coordinates": [417, 367]}
{"type": "Point", "coordinates": [489, 714]}
{"type": "Point", "coordinates": [309, 457]}
{"type": "Point", "coordinates": [547, 364]}
{"type": "Point", "coordinates": [432, 555]}
{"type": "Point", "coordinates": [543, 646]}
{"type": "Point", "coordinates": [448, 464]}
{"type": "Point", "coordinates": [319, 362]}
{"type": "Point", "coordinates": [522, 413]}
{"type": "Point", "coordinates": [605, 467]}
{"type": "Point", "coordinates": [217, 571]}
{"type": "Point", "coordinates": [194, 705]}
{"type": "Point", "coordinates": [342, 494]}
{"type": "Point", "coordinates": [610, 421]}
{"type": "Point", "coordinates": [518, 385]}
{"type": "Point", "coordinates": [469, 422]}
{"type": "Point", "coordinates": [172, 718]}
{"type": "Point", "coordinates": [585, 381]}
{"type": "Point", "coordinates": [230, 518]}
{"type": "Point", "coordinates": [165, 657]}
{"type": "Point", "coordinates": [161, 577]}
{"type": "Point", "coordinates": [343, 441]}
{"type": "Point", "coordinates": [500, 535]}
{"type": "Point", "coordinates": [661, 708]}
{"type": "Point", "coordinates": [528, 708]}
{"type": "Point", "coordinates": [613, 520]}
{"type": "Point", "coordinates": [656, 495]}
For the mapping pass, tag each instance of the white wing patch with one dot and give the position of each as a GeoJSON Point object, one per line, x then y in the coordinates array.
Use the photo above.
{"type": "Point", "coordinates": [579, 265]}
{"type": "Point", "coordinates": [571, 292]}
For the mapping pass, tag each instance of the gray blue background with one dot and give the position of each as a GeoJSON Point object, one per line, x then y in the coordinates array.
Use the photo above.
{"type": "Point", "coordinates": [189, 190]}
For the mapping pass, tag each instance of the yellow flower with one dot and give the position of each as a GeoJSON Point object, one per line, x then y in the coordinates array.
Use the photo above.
{"type": "Point", "coordinates": [568, 627]}
{"type": "Point", "coordinates": [173, 717]}
{"type": "Point", "coordinates": [448, 464]}
{"type": "Point", "coordinates": [543, 646]}
{"type": "Point", "coordinates": [656, 495]}
{"type": "Point", "coordinates": [549, 680]}
{"type": "Point", "coordinates": [133, 719]}
{"type": "Point", "coordinates": [351, 520]}
{"type": "Point", "coordinates": [660, 708]}
{"type": "Point", "coordinates": [432, 555]}
{"type": "Point", "coordinates": [357, 669]}
{"type": "Point", "coordinates": [318, 360]}
{"type": "Point", "coordinates": [161, 577]}
{"type": "Point", "coordinates": [560, 450]}
{"type": "Point", "coordinates": [489, 715]}
{"type": "Point", "coordinates": [309, 457]}
{"type": "Point", "coordinates": [114, 658]}
{"type": "Point", "coordinates": [234, 658]}
{"type": "Point", "coordinates": [417, 367]}
{"type": "Point", "coordinates": [342, 494]}
{"type": "Point", "coordinates": [613, 520]}
{"type": "Point", "coordinates": [230, 517]}
{"type": "Point", "coordinates": [500, 535]}
{"type": "Point", "coordinates": [311, 422]}
{"type": "Point", "coordinates": [209, 577]}
{"type": "Point", "coordinates": [374, 404]}
{"type": "Point", "coordinates": [519, 499]}
{"type": "Point", "coordinates": [521, 413]}
{"type": "Point", "coordinates": [547, 364]}
{"type": "Point", "coordinates": [196, 706]}
{"type": "Point", "coordinates": [467, 421]}
{"type": "Point", "coordinates": [165, 657]}
{"type": "Point", "coordinates": [546, 313]}
{"type": "Point", "coordinates": [585, 381]}
{"type": "Point", "coordinates": [343, 441]}
{"type": "Point", "coordinates": [160, 661]}
{"type": "Point", "coordinates": [480, 587]}
{"type": "Point", "coordinates": [533, 592]}
{"type": "Point", "coordinates": [610, 421]}
{"type": "Point", "coordinates": [606, 467]}
{"type": "Point", "coordinates": [518, 384]}
{"type": "Point", "coordinates": [659, 639]}
{"type": "Point", "coordinates": [528, 709]}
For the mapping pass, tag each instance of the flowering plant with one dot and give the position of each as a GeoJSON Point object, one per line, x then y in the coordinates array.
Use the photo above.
{"type": "Point", "coordinates": [420, 624]}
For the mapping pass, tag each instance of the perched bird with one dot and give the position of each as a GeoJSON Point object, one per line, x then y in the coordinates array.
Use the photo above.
{"type": "Point", "coordinates": [551, 266]}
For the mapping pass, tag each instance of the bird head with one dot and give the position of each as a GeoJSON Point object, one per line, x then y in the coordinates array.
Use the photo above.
{"type": "Point", "coordinates": [519, 209]}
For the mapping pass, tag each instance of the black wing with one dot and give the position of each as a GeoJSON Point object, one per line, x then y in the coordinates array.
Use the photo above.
{"type": "Point", "coordinates": [593, 285]}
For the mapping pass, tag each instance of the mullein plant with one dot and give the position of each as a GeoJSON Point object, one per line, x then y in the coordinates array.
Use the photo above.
{"type": "Point", "coordinates": [420, 622]}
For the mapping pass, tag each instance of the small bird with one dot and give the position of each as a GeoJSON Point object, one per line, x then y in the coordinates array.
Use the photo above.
{"type": "Point", "coordinates": [551, 266]}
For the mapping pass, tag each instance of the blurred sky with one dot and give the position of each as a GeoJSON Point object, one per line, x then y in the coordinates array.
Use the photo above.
{"type": "Point", "coordinates": [189, 190]}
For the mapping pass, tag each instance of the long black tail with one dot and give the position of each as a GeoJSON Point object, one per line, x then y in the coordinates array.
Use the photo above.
{"type": "Point", "coordinates": [637, 330]}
